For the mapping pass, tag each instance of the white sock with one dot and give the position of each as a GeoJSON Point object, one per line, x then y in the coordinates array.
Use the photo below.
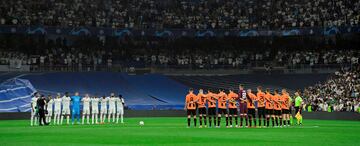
{"type": "Point", "coordinates": [67, 119]}
{"type": "Point", "coordinates": [122, 118]}
{"type": "Point", "coordinates": [96, 118]}
{"type": "Point", "coordinates": [117, 118]}
{"type": "Point", "coordinates": [92, 119]}
{"type": "Point", "coordinates": [32, 120]}
{"type": "Point", "coordinates": [87, 119]}
{"type": "Point", "coordinates": [83, 118]}
{"type": "Point", "coordinates": [61, 121]}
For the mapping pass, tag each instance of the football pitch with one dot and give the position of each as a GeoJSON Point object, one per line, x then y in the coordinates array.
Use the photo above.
{"type": "Point", "coordinates": [173, 131]}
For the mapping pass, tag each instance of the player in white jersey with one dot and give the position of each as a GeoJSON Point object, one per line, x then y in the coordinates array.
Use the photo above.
{"type": "Point", "coordinates": [34, 118]}
{"type": "Point", "coordinates": [49, 108]}
{"type": "Point", "coordinates": [86, 109]}
{"type": "Point", "coordinates": [112, 107]}
{"type": "Point", "coordinates": [120, 109]}
{"type": "Point", "coordinates": [57, 109]}
{"type": "Point", "coordinates": [66, 108]}
{"type": "Point", "coordinates": [103, 111]}
{"type": "Point", "coordinates": [94, 109]}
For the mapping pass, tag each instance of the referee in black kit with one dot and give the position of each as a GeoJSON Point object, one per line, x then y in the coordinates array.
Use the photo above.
{"type": "Point", "coordinates": [41, 106]}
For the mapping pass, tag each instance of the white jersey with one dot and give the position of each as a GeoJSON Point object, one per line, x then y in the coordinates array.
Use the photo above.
{"type": "Point", "coordinates": [66, 102]}
{"type": "Point", "coordinates": [34, 102]}
{"type": "Point", "coordinates": [57, 102]}
{"type": "Point", "coordinates": [112, 101]}
{"type": "Point", "coordinates": [104, 103]}
{"type": "Point", "coordinates": [49, 106]}
{"type": "Point", "coordinates": [95, 103]}
{"type": "Point", "coordinates": [119, 103]}
{"type": "Point", "coordinates": [86, 102]}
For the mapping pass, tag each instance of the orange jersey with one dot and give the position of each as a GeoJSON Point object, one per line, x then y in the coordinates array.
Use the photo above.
{"type": "Point", "coordinates": [285, 101]}
{"type": "Point", "coordinates": [261, 99]}
{"type": "Point", "coordinates": [222, 97]}
{"type": "Point", "coordinates": [250, 100]}
{"type": "Point", "coordinates": [190, 101]}
{"type": "Point", "coordinates": [268, 100]}
{"type": "Point", "coordinates": [211, 100]}
{"type": "Point", "coordinates": [277, 102]}
{"type": "Point", "coordinates": [201, 100]}
{"type": "Point", "coordinates": [232, 99]}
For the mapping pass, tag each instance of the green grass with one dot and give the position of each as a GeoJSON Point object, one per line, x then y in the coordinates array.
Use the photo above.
{"type": "Point", "coordinates": [173, 131]}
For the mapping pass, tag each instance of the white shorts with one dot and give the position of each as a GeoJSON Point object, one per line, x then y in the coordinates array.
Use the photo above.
{"type": "Point", "coordinates": [103, 110]}
{"type": "Point", "coordinates": [94, 110]}
{"type": "Point", "coordinates": [120, 111]}
{"type": "Point", "coordinates": [57, 111]}
{"type": "Point", "coordinates": [86, 111]}
{"type": "Point", "coordinates": [66, 111]}
{"type": "Point", "coordinates": [33, 113]}
{"type": "Point", "coordinates": [50, 113]}
{"type": "Point", "coordinates": [111, 111]}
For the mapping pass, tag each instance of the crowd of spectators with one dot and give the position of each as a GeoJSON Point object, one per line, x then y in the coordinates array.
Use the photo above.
{"type": "Point", "coordinates": [190, 14]}
{"type": "Point", "coordinates": [185, 58]}
{"type": "Point", "coordinates": [339, 93]}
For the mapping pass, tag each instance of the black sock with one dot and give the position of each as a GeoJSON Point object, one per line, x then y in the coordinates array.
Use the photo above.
{"type": "Point", "coordinates": [189, 122]}
{"type": "Point", "coordinates": [255, 122]}
{"type": "Point", "coordinates": [210, 121]}
{"type": "Point", "coordinates": [264, 121]}
{"type": "Point", "coordinates": [260, 121]}
{"type": "Point", "coordinates": [230, 121]}
{"type": "Point", "coordinates": [241, 120]}
{"type": "Point", "coordinates": [284, 122]}
{"type": "Point", "coordinates": [200, 121]}
{"type": "Point", "coordinates": [250, 121]}
{"type": "Point", "coordinates": [227, 121]}
{"type": "Point", "coordinates": [219, 120]}
{"type": "Point", "coordinates": [281, 121]}
{"type": "Point", "coordinates": [194, 122]}
{"type": "Point", "coordinates": [214, 121]}
{"type": "Point", "coordinates": [205, 120]}
{"type": "Point", "coordinates": [236, 120]}
{"type": "Point", "coordinates": [267, 122]}
{"type": "Point", "coordinates": [273, 121]}
{"type": "Point", "coordinates": [288, 122]}
{"type": "Point", "coordinates": [246, 120]}
{"type": "Point", "coordinates": [277, 121]}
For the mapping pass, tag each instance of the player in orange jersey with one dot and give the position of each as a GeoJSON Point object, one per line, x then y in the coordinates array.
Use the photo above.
{"type": "Point", "coordinates": [277, 108]}
{"type": "Point", "coordinates": [251, 98]}
{"type": "Point", "coordinates": [202, 99]}
{"type": "Point", "coordinates": [211, 101]}
{"type": "Point", "coordinates": [261, 105]}
{"type": "Point", "coordinates": [222, 99]}
{"type": "Point", "coordinates": [233, 98]}
{"type": "Point", "coordinates": [285, 107]}
{"type": "Point", "coordinates": [190, 106]}
{"type": "Point", "coordinates": [268, 107]}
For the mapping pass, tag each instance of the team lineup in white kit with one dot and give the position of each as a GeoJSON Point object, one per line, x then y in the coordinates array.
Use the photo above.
{"type": "Point", "coordinates": [59, 108]}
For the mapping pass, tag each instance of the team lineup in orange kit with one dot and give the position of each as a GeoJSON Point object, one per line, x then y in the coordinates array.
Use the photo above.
{"type": "Point", "coordinates": [245, 104]}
